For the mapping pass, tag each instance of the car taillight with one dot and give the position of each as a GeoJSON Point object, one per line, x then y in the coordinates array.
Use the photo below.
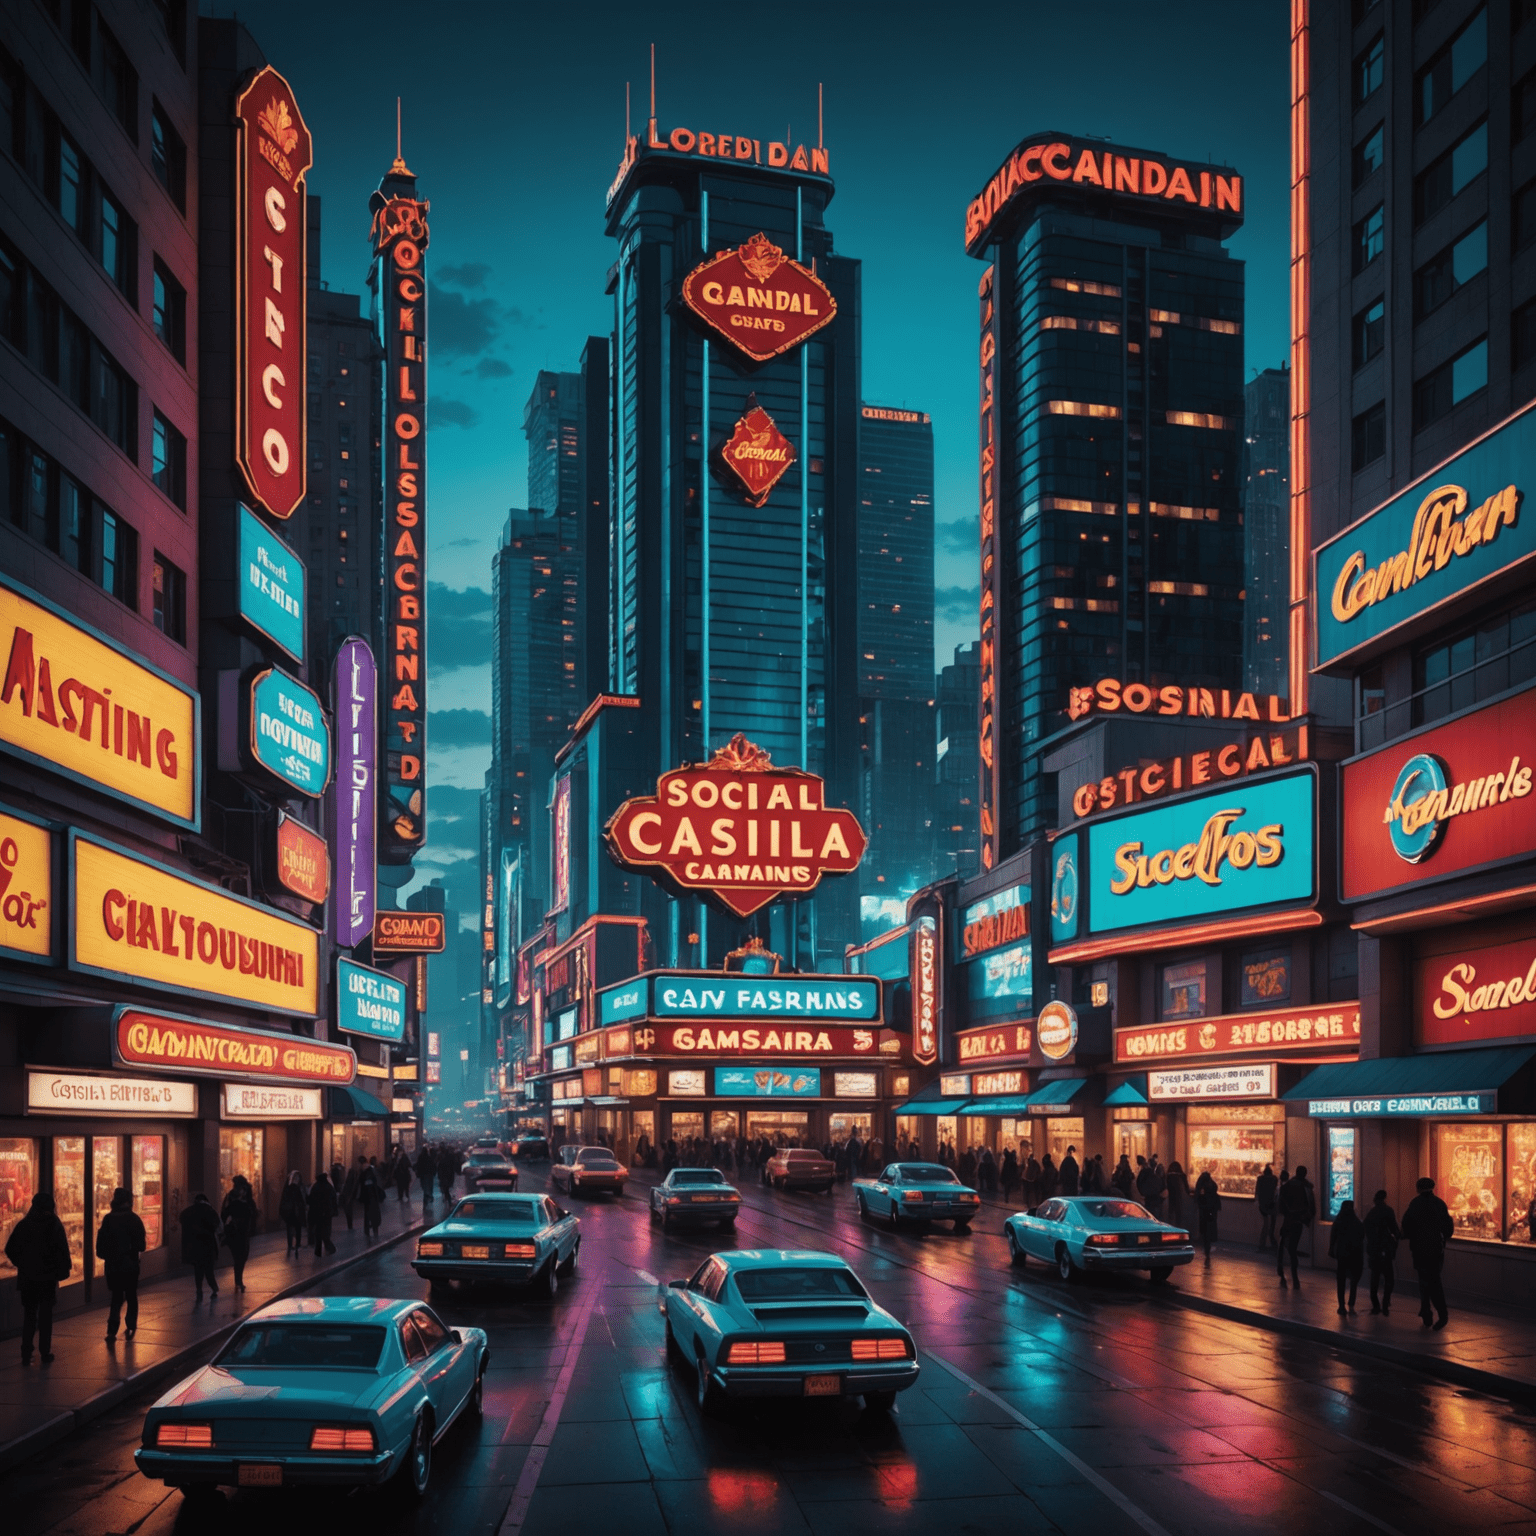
{"type": "Point", "coordinates": [1102, 1240]}
{"type": "Point", "coordinates": [429, 1250]}
{"type": "Point", "coordinates": [197, 1436]}
{"type": "Point", "coordinates": [521, 1250]}
{"type": "Point", "coordinates": [912, 1194]}
{"type": "Point", "coordinates": [335, 1437]}
{"type": "Point", "coordinates": [674, 1199]}
{"type": "Point", "coordinates": [969, 1195]}
{"type": "Point", "coordinates": [731, 1197]}
{"type": "Point", "coordinates": [1175, 1237]}
{"type": "Point", "coordinates": [756, 1354]}
{"type": "Point", "coordinates": [880, 1349]}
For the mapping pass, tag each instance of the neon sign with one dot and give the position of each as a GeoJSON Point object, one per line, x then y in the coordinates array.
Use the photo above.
{"type": "Point", "coordinates": [1109, 695]}
{"type": "Point", "coordinates": [760, 300]}
{"type": "Point", "coordinates": [353, 826]}
{"type": "Point", "coordinates": [925, 990]}
{"type": "Point", "coordinates": [720, 146]}
{"type": "Point", "coordinates": [991, 581]}
{"type": "Point", "coordinates": [758, 454]}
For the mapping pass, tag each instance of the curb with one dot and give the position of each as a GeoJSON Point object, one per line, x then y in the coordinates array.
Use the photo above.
{"type": "Point", "coordinates": [66, 1423]}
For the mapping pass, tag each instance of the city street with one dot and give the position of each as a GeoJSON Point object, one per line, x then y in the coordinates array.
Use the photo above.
{"type": "Point", "coordinates": [1041, 1406]}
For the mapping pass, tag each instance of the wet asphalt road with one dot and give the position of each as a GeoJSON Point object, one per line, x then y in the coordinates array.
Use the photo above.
{"type": "Point", "coordinates": [1041, 1407]}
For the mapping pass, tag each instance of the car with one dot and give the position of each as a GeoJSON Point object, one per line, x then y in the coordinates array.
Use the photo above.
{"type": "Point", "coordinates": [917, 1192]}
{"type": "Point", "coordinates": [485, 1169]}
{"type": "Point", "coordinates": [585, 1170]}
{"type": "Point", "coordinates": [319, 1391]}
{"type": "Point", "coordinates": [1075, 1233]}
{"type": "Point", "coordinates": [531, 1148]}
{"type": "Point", "coordinates": [777, 1322]}
{"type": "Point", "coordinates": [502, 1239]}
{"type": "Point", "coordinates": [488, 1143]}
{"type": "Point", "coordinates": [695, 1194]}
{"type": "Point", "coordinates": [799, 1168]}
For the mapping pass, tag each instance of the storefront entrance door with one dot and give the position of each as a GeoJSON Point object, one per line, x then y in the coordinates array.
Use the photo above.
{"type": "Point", "coordinates": [1133, 1139]}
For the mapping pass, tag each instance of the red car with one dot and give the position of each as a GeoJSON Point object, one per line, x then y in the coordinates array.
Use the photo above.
{"type": "Point", "coordinates": [586, 1170]}
{"type": "Point", "coordinates": [799, 1168]}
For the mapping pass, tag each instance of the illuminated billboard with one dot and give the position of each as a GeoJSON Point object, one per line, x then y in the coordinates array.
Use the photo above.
{"type": "Point", "coordinates": [760, 300]}
{"type": "Point", "coordinates": [993, 921]}
{"type": "Point", "coordinates": [301, 862]}
{"type": "Point", "coordinates": [757, 453]}
{"type": "Point", "coordinates": [1470, 987]}
{"type": "Point", "coordinates": [270, 581]}
{"type": "Point", "coordinates": [992, 593]}
{"type": "Point", "coordinates": [369, 1002]}
{"type": "Point", "coordinates": [1003, 973]}
{"type": "Point", "coordinates": [28, 889]}
{"type": "Point", "coordinates": [768, 1082]}
{"type": "Point", "coordinates": [354, 682]}
{"type": "Point", "coordinates": [690, 144]}
{"type": "Point", "coordinates": [288, 733]}
{"type": "Point", "coordinates": [167, 1041]}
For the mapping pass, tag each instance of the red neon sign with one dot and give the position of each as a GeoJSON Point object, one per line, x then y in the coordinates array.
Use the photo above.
{"type": "Point", "coordinates": [991, 584]}
{"type": "Point", "coordinates": [303, 861]}
{"type": "Point", "coordinates": [760, 300]}
{"type": "Point", "coordinates": [1465, 994]}
{"type": "Point", "coordinates": [273, 153]}
{"type": "Point", "coordinates": [925, 991]}
{"type": "Point", "coordinates": [758, 454]}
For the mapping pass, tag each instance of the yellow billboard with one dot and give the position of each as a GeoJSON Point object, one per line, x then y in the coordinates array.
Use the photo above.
{"type": "Point", "coordinates": [138, 921]}
{"type": "Point", "coordinates": [26, 888]}
{"type": "Point", "coordinates": [72, 702]}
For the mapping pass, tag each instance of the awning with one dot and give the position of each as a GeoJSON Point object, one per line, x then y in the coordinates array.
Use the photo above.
{"type": "Point", "coordinates": [1049, 1095]}
{"type": "Point", "coordinates": [356, 1103]}
{"type": "Point", "coordinates": [1437, 1083]}
{"type": "Point", "coordinates": [1004, 1104]}
{"type": "Point", "coordinates": [931, 1106]}
{"type": "Point", "coordinates": [1132, 1091]}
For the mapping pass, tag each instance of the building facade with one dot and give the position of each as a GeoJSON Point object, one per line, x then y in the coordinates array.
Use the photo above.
{"type": "Point", "coordinates": [1266, 532]}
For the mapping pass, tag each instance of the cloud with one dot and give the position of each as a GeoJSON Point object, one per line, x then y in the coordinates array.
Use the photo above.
{"type": "Point", "coordinates": [448, 806]}
{"type": "Point", "coordinates": [462, 327]}
{"type": "Point", "coordinates": [445, 411]}
{"type": "Point", "coordinates": [468, 274]}
{"type": "Point", "coordinates": [458, 728]}
{"type": "Point", "coordinates": [956, 537]}
{"type": "Point", "coordinates": [955, 602]}
{"type": "Point", "coordinates": [458, 626]}
{"type": "Point", "coordinates": [493, 368]}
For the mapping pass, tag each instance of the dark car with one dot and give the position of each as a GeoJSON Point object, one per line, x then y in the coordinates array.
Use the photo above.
{"type": "Point", "coordinates": [487, 1170]}
{"type": "Point", "coordinates": [695, 1194]}
{"type": "Point", "coordinates": [530, 1149]}
{"type": "Point", "coordinates": [586, 1170]}
{"type": "Point", "coordinates": [799, 1168]}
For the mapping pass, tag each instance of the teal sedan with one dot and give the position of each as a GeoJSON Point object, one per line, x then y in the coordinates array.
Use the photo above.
{"type": "Point", "coordinates": [917, 1192]}
{"type": "Point", "coordinates": [696, 1194]}
{"type": "Point", "coordinates": [328, 1391]}
{"type": "Point", "coordinates": [776, 1322]}
{"type": "Point", "coordinates": [1077, 1233]}
{"type": "Point", "coordinates": [500, 1240]}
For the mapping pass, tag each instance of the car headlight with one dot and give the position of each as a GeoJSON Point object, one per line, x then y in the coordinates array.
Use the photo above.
{"type": "Point", "coordinates": [193, 1436]}
{"type": "Point", "coordinates": [337, 1437]}
{"type": "Point", "coordinates": [429, 1250]}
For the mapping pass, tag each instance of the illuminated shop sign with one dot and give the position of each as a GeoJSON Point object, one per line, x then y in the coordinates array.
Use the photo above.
{"type": "Point", "coordinates": [273, 154]}
{"type": "Point", "coordinates": [1004, 973]}
{"type": "Point", "coordinates": [369, 1002]}
{"type": "Point", "coordinates": [74, 703]}
{"type": "Point", "coordinates": [689, 1084]}
{"type": "Point", "coordinates": [620, 1042]}
{"type": "Point", "coordinates": [561, 844]}
{"type": "Point", "coordinates": [1246, 845]}
{"type": "Point", "coordinates": [768, 1082]}
{"type": "Point", "coordinates": [165, 1041]}
{"type": "Point", "coordinates": [855, 1085]}
{"type": "Point", "coordinates": [260, 1101]}
{"type": "Point", "coordinates": [1406, 1106]}
{"type": "Point", "coordinates": [354, 681]}
{"type": "Point", "coordinates": [988, 1084]}
{"type": "Point", "coordinates": [1130, 176]}
{"type": "Point", "coordinates": [994, 920]}
{"type": "Point", "coordinates": [760, 300]}
{"type": "Point", "coordinates": [631, 1001]}
{"type": "Point", "coordinates": [302, 864]}
{"type": "Point", "coordinates": [1460, 526]}
{"type": "Point", "coordinates": [887, 413]}
{"type": "Point", "coordinates": [924, 958]}
{"type": "Point", "coordinates": [1110, 696]}
{"type": "Point", "coordinates": [93, 1093]}
{"type": "Point", "coordinates": [722, 1039]}
{"type": "Point", "coordinates": [996, 1043]}
{"type": "Point", "coordinates": [409, 933]}
{"type": "Point", "coordinates": [692, 994]}
{"type": "Point", "coordinates": [720, 146]}
{"type": "Point", "coordinates": [137, 921]}
{"type": "Point", "coordinates": [270, 582]}
{"type": "Point", "coordinates": [737, 829]}
{"type": "Point", "coordinates": [1056, 1030]}
{"type": "Point", "coordinates": [1334, 1029]}
{"type": "Point", "coordinates": [400, 242]}
{"type": "Point", "coordinates": [27, 900]}
{"type": "Point", "coordinates": [757, 453]}
{"type": "Point", "coordinates": [1466, 992]}
{"type": "Point", "coordinates": [1441, 802]}
{"type": "Point", "coordinates": [289, 735]}
{"type": "Point", "coordinates": [1066, 903]}
{"type": "Point", "coordinates": [1249, 1080]}
{"type": "Point", "coordinates": [991, 578]}
{"type": "Point", "coordinates": [1149, 781]}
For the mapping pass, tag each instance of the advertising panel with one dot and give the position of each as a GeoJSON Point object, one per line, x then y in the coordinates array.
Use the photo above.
{"type": "Point", "coordinates": [1466, 991]}
{"type": "Point", "coordinates": [925, 990]}
{"type": "Point", "coordinates": [690, 145]}
{"type": "Point", "coordinates": [302, 863]}
{"type": "Point", "coordinates": [1441, 802]}
{"type": "Point", "coordinates": [855, 1085]}
{"type": "Point", "coordinates": [1457, 528]}
{"type": "Point", "coordinates": [699, 995]}
{"type": "Point", "coordinates": [1247, 845]}
{"type": "Point", "coordinates": [166, 1041]}
{"type": "Point", "coordinates": [270, 582]}
{"type": "Point", "coordinates": [997, 1042]}
{"type": "Point", "coordinates": [409, 933]}
{"type": "Point", "coordinates": [992, 589]}
{"type": "Point", "coordinates": [1247, 1080]}
{"type": "Point", "coordinates": [1341, 1167]}
{"type": "Point", "coordinates": [273, 154]}
{"type": "Point", "coordinates": [289, 736]}
{"type": "Point", "coordinates": [369, 1002]}
{"type": "Point", "coordinates": [728, 1040]}
{"type": "Point", "coordinates": [1005, 973]}
{"type": "Point", "coordinates": [561, 844]}
{"type": "Point", "coordinates": [988, 1084]}
{"type": "Point", "coordinates": [993, 921]}
{"type": "Point", "coordinates": [630, 1001]}
{"type": "Point", "coordinates": [768, 1082]}
{"type": "Point", "coordinates": [75, 704]}
{"type": "Point", "coordinates": [1056, 1030]}
{"type": "Point", "coordinates": [1408, 1106]}
{"type": "Point", "coordinates": [757, 453]}
{"type": "Point", "coordinates": [132, 920]}
{"type": "Point", "coordinates": [1334, 1028]}
{"type": "Point", "coordinates": [354, 689]}
{"type": "Point", "coordinates": [1113, 696]}
{"type": "Point", "coordinates": [689, 1084]}
{"type": "Point", "coordinates": [100, 1093]}
{"type": "Point", "coordinates": [760, 300]}
{"type": "Point", "coordinates": [27, 901]}
{"type": "Point", "coordinates": [265, 1101]}
{"type": "Point", "coordinates": [1066, 905]}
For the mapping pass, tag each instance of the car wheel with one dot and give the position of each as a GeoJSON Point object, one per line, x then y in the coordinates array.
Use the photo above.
{"type": "Point", "coordinates": [709, 1396]}
{"type": "Point", "coordinates": [1016, 1254]}
{"type": "Point", "coordinates": [1160, 1273]}
{"type": "Point", "coordinates": [727, 1223]}
{"type": "Point", "coordinates": [962, 1226]}
{"type": "Point", "coordinates": [860, 1206]}
{"type": "Point", "coordinates": [1064, 1265]}
{"type": "Point", "coordinates": [476, 1404]}
{"type": "Point", "coordinates": [569, 1266]}
{"type": "Point", "coordinates": [880, 1402]}
{"type": "Point", "coordinates": [416, 1470]}
{"type": "Point", "coordinates": [891, 1219]}
{"type": "Point", "coordinates": [548, 1283]}
{"type": "Point", "coordinates": [666, 1221]}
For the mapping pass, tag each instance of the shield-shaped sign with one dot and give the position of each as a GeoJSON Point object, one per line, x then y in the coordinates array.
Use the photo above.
{"type": "Point", "coordinates": [760, 300]}
{"type": "Point", "coordinates": [757, 453]}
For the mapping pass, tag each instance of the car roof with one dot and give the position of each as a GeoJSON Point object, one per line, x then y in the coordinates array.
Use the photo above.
{"type": "Point", "coordinates": [800, 1258]}
{"type": "Point", "coordinates": [332, 1309]}
{"type": "Point", "coordinates": [508, 1198]}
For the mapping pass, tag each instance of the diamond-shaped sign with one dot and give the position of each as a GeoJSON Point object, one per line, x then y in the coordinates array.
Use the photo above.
{"type": "Point", "coordinates": [757, 453]}
{"type": "Point", "coordinates": [760, 300]}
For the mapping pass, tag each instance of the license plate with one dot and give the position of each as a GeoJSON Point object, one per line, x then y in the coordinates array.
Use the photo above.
{"type": "Point", "coordinates": [475, 1251]}
{"type": "Point", "coordinates": [260, 1475]}
{"type": "Point", "coordinates": [823, 1386]}
{"type": "Point", "coordinates": [1143, 1239]}
{"type": "Point", "coordinates": [703, 1199]}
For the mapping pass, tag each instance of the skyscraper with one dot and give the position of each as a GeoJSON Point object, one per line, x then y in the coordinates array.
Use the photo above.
{"type": "Point", "coordinates": [957, 764]}
{"type": "Point", "coordinates": [1111, 361]}
{"type": "Point", "coordinates": [1266, 531]}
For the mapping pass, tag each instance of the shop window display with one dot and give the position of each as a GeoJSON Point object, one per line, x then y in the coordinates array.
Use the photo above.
{"type": "Point", "coordinates": [686, 1124]}
{"type": "Point", "coordinates": [18, 1183]}
{"type": "Point", "coordinates": [240, 1152]}
{"type": "Point", "coordinates": [148, 1187]}
{"type": "Point", "coordinates": [724, 1123]}
{"type": "Point", "coordinates": [69, 1197]}
{"type": "Point", "coordinates": [783, 1127]}
{"type": "Point", "coordinates": [1469, 1177]}
{"type": "Point", "coordinates": [1521, 1162]}
{"type": "Point", "coordinates": [106, 1175]}
{"type": "Point", "coordinates": [1236, 1153]}
{"type": "Point", "coordinates": [1183, 990]}
{"type": "Point", "coordinates": [841, 1124]}
{"type": "Point", "coordinates": [1063, 1132]}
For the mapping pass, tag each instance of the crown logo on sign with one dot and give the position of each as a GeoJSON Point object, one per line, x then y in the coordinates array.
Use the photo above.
{"type": "Point", "coordinates": [278, 125]}
{"type": "Point", "coordinates": [761, 257]}
{"type": "Point", "coordinates": [739, 755]}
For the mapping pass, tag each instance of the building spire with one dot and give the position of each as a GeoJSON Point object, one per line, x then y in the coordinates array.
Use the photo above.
{"type": "Point", "coordinates": [399, 168]}
{"type": "Point", "coordinates": [653, 90]}
{"type": "Point", "coordinates": [821, 138]}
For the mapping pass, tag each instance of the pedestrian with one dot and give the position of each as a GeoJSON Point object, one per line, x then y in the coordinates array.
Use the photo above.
{"type": "Point", "coordinates": [1181, 1204]}
{"type": "Point", "coordinates": [239, 1218]}
{"type": "Point", "coordinates": [1050, 1178]}
{"type": "Point", "coordinates": [1070, 1173]}
{"type": "Point", "coordinates": [1381, 1236]}
{"type": "Point", "coordinates": [1427, 1228]}
{"type": "Point", "coordinates": [1297, 1207]}
{"type": "Point", "coordinates": [1265, 1188]}
{"type": "Point", "coordinates": [401, 1175]}
{"type": "Point", "coordinates": [1009, 1174]}
{"type": "Point", "coordinates": [200, 1242]}
{"type": "Point", "coordinates": [322, 1212]}
{"type": "Point", "coordinates": [1346, 1247]}
{"type": "Point", "coordinates": [1144, 1182]}
{"type": "Point", "coordinates": [966, 1169]}
{"type": "Point", "coordinates": [986, 1171]}
{"type": "Point", "coordinates": [120, 1240]}
{"type": "Point", "coordinates": [1208, 1205]}
{"type": "Point", "coordinates": [1158, 1187]}
{"type": "Point", "coordinates": [38, 1249]}
{"type": "Point", "coordinates": [291, 1211]}
{"type": "Point", "coordinates": [1100, 1177]}
{"type": "Point", "coordinates": [349, 1189]}
{"type": "Point", "coordinates": [370, 1191]}
{"type": "Point", "coordinates": [1031, 1182]}
{"type": "Point", "coordinates": [1123, 1178]}
{"type": "Point", "coordinates": [445, 1172]}
{"type": "Point", "coordinates": [426, 1173]}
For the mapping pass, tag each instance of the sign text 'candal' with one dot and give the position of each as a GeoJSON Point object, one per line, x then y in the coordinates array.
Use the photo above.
{"type": "Point", "coordinates": [757, 453]}
{"type": "Point", "coordinates": [760, 300]}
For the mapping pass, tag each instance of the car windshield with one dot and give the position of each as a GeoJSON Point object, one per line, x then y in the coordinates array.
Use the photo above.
{"type": "Point", "coordinates": [497, 1210]}
{"type": "Point", "coordinates": [927, 1173]}
{"type": "Point", "coordinates": [1116, 1210]}
{"type": "Point", "coordinates": [484, 1159]}
{"type": "Point", "coordinates": [304, 1345]}
{"type": "Point", "coordinates": [698, 1176]}
{"type": "Point", "coordinates": [792, 1284]}
{"type": "Point", "coordinates": [596, 1159]}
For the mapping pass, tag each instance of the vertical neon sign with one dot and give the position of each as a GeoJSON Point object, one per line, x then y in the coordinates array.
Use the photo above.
{"type": "Point", "coordinates": [353, 812]}
{"type": "Point", "coordinates": [990, 781]}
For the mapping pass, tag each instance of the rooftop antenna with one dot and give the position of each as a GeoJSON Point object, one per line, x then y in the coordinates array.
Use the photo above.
{"type": "Point", "coordinates": [653, 90]}
{"type": "Point", "coordinates": [626, 114]}
{"type": "Point", "coordinates": [399, 168]}
{"type": "Point", "coordinates": [821, 141]}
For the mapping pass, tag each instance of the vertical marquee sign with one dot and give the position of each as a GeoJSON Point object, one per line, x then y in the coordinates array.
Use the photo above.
{"type": "Point", "coordinates": [273, 154]}
{"type": "Point", "coordinates": [400, 243]}
{"type": "Point", "coordinates": [991, 585]}
{"type": "Point", "coordinates": [354, 828]}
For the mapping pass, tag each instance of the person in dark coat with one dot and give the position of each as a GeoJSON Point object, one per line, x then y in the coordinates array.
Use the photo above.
{"type": "Point", "coordinates": [38, 1249]}
{"type": "Point", "coordinates": [1050, 1178]}
{"type": "Point", "coordinates": [1181, 1204]}
{"type": "Point", "coordinates": [402, 1176]}
{"type": "Point", "coordinates": [120, 1240]}
{"type": "Point", "coordinates": [1265, 1189]}
{"type": "Point", "coordinates": [1208, 1204]}
{"type": "Point", "coordinates": [447, 1170]}
{"type": "Point", "coordinates": [322, 1212]}
{"type": "Point", "coordinates": [1427, 1228]}
{"type": "Point", "coordinates": [291, 1208]}
{"type": "Point", "coordinates": [426, 1172]}
{"type": "Point", "coordinates": [1071, 1173]}
{"type": "Point", "coordinates": [1381, 1235]}
{"type": "Point", "coordinates": [1031, 1182]}
{"type": "Point", "coordinates": [200, 1242]}
{"type": "Point", "coordinates": [239, 1215]}
{"type": "Point", "coordinates": [349, 1188]}
{"type": "Point", "coordinates": [1008, 1174]}
{"type": "Point", "coordinates": [1123, 1178]}
{"type": "Point", "coordinates": [1346, 1247]}
{"type": "Point", "coordinates": [1296, 1207]}
{"type": "Point", "coordinates": [370, 1191]}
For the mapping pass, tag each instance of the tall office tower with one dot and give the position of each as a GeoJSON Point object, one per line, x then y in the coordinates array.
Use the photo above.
{"type": "Point", "coordinates": [552, 425]}
{"type": "Point", "coordinates": [1266, 481]}
{"type": "Point", "coordinates": [895, 636]}
{"type": "Point", "coordinates": [734, 576]}
{"type": "Point", "coordinates": [957, 764]}
{"type": "Point", "coordinates": [1111, 360]}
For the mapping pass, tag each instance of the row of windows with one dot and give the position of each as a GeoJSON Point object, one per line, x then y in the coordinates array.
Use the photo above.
{"type": "Point", "coordinates": [1435, 394]}
{"type": "Point", "coordinates": [1439, 80]}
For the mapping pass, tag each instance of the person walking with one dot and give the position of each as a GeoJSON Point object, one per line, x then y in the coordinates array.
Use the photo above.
{"type": "Point", "coordinates": [402, 1176]}
{"type": "Point", "coordinates": [321, 1209]}
{"type": "Point", "coordinates": [447, 1170]}
{"type": "Point", "coordinates": [239, 1217]}
{"type": "Point", "coordinates": [1265, 1188]}
{"type": "Point", "coordinates": [291, 1211]}
{"type": "Point", "coordinates": [1050, 1178]}
{"type": "Point", "coordinates": [1123, 1178]}
{"type": "Point", "coordinates": [1158, 1187]}
{"type": "Point", "coordinates": [348, 1199]}
{"type": "Point", "coordinates": [1208, 1205]}
{"type": "Point", "coordinates": [120, 1239]}
{"type": "Point", "coordinates": [1181, 1202]}
{"type": "Point", "coordinates": [1346, 1247]}
{"type": "Point", "coordinates": [370, 1191]}
{"type": "Point", "coordinates": [1031, 1182]}
{"type": "Point", "coordinates": [1008, 1174]}
{"type": "Point", "coordinates": [426, 1173]}
{"type": "Point", "coordinates": [38, 1249]}
{"type": "Point", "coordinates": [1071, 1173]}
{"type": "Point", "coordinates": [200, 1242]}
{"type": "Point", "coordinates": [1427, 1228]}
{"type": "Point", "coordinates": [1381, 1237]}
{"type": "Point", "coordinates": [1297, 1207]}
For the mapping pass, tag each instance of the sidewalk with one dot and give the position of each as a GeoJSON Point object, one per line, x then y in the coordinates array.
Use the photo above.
{"type": "Point", "coordinates": [40, 1404]}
